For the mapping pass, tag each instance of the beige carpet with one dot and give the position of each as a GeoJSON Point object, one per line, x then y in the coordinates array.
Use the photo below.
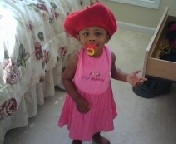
{"type": "Point", "coordinates": [139, 121]}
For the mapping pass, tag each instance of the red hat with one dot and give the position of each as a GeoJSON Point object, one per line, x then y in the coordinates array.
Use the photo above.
{"type": "Point", "coordinates": [95, 15]}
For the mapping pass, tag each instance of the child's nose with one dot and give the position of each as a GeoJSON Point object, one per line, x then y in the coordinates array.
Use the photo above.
{"type": "Point", "coordinates": [92, 38]}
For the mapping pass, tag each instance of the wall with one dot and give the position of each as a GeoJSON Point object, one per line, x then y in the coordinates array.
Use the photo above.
{"type": "Point", "coordinates": [139, 15]}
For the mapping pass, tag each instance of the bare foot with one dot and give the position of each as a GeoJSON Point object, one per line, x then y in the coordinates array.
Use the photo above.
{"type": "Point", "coordinates": [76, 142]}
{"type": "Point", "coordinates": [98, 139]}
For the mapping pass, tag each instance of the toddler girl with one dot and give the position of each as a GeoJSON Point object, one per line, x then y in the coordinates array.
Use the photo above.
{"type": "Point", "coordinates": [89, 107]}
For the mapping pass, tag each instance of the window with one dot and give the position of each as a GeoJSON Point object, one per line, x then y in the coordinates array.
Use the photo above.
{"type": "Point", "coordinates": [143, 3]}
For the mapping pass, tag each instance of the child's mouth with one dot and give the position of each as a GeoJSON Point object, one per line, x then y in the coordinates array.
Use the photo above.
{"type": "Point", "coordinates": [91, 49]}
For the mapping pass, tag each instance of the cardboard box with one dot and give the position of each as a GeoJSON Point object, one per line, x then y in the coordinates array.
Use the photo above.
{"type": "Point", "coordinates": [153, 65]}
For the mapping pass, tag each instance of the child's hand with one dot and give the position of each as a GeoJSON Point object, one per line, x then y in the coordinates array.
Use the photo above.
{"type": "Point", "coordinates": [82, 105]}
{"type": "Point", "coordinates": [134, 79]}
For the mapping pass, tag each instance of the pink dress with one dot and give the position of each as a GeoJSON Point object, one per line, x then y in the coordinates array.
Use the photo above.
{"type": "Point", "coordinates": [92, 79]}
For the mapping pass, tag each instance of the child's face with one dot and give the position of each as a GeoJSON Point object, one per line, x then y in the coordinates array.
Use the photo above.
{"type": "Point", "coordinates": [93, 35]}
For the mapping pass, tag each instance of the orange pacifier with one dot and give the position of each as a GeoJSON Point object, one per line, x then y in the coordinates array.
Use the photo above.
{"type": "Point", "coordinates": [91, 49]}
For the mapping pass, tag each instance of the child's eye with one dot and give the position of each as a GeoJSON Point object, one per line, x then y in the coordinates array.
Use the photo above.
{"type": "Point", "coordinates": [98, 33]}
{"type": "Point", "coordinates": [85, 34]}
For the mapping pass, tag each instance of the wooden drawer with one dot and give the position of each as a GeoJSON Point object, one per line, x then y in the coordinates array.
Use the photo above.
{"type": "Point", "coordinates": [153, 66]}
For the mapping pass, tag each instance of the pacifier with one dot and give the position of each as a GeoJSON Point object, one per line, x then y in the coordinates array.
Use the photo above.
{"type": "Point", "coordinates": [91, 49]}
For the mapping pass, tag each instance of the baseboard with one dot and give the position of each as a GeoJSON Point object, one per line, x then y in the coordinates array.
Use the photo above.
{"type": "Point", "coordinates": [134, 27]}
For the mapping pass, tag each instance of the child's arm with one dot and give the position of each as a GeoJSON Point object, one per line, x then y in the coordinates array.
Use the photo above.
{"type": "Point", "coordinates": [132, 78]}
{"type": "Point", "coordinates": [82, 104]}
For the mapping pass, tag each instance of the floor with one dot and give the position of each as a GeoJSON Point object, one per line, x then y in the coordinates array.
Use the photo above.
{"type": "Point", "coordinates": [139, 121]}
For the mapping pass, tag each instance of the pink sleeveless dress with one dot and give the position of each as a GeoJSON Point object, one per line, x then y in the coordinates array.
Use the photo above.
{"type": "Point", "coordinates": [92, 79]}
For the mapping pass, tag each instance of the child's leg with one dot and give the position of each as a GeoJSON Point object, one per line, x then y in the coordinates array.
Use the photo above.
{"type": "Point", "coordinates": [98, 139]}
{"type": "Point", "coordinates": [76, 142]}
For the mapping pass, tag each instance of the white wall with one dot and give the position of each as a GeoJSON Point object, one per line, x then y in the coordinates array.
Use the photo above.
{"type": "Point", "coordinates": [146, 17]}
